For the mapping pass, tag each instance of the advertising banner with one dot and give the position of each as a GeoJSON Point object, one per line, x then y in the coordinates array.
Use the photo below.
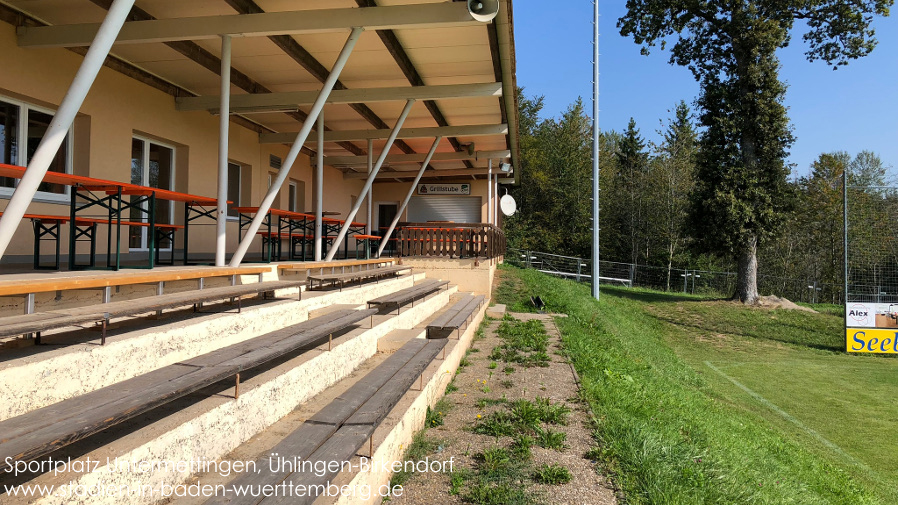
{"type": "Point", "coordinates": [871, 327]}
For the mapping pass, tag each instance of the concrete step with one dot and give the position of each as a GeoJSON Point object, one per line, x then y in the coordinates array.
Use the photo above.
{"type": "Point", "coordinates": [212, 423]}
{"type": "Point", "coordinates": [75, 363]}
{"type": "Point", "coordinates": [389, 440]}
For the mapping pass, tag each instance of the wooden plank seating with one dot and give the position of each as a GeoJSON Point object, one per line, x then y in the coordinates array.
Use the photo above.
{"type": "Point", "coordinates": [38, 322]}
{"type": "Point", "coordinates": [454, 318]}
{"type": "Point", "coordinates": [321, 266]}
{"type": "Point", "coordinates": [28, 288]}
{"type": "Point", "coordinates": [340, 429]}
{"type": "Point", "coordinates": [403, 296]}
{"type": "Point", "coordinates": [99, 280]}
{"type": "Point", "coordinates": [357, 276]}
{"type": "Point", "coordinates": [42, 431]}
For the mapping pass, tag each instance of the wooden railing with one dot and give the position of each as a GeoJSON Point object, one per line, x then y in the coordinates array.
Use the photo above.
{"type": "Point", "coordinates": [450, 240]}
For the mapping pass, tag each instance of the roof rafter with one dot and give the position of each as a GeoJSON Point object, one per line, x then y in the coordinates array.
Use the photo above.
{"type": "Point", "coordinates": [409, 133]}
{"type": "Point", "coordinates": [299, 54]}
{"type": "Point", "coordinates": [209, 61]}
{"type": "Point", "coordinates": [391, 42]}
{"type": "Point", "coordinates": [260, 24]}
{"type": "Point", "coordinates": [265, 102]}
{"type": "Point", "coordinates": [417, 158]}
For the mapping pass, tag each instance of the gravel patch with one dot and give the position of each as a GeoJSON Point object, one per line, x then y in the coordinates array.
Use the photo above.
{"type": "Point", "coordinates": [483, 390]}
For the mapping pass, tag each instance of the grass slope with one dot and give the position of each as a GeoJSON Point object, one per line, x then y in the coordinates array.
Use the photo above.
{"type": "Point", "coordinates": [674, 431]}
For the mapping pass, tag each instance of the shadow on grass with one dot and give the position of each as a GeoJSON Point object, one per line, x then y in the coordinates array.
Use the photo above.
{"type": "Point", "coordinates": [657, 296]}
{"type": "Point", "coordinates": [752, 335]}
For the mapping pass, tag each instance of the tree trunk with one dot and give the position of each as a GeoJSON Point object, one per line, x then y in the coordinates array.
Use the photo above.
{"type": "Point", "coordinates": [747, 280]}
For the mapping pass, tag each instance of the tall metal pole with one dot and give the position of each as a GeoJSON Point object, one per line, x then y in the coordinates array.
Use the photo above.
{"type": "Point", "coordinates": [371, 178]}
{"type": "Point", "coordinates": [408, 197]}
{"type": "Point", "coordinates": [62, 120]}
{"type": "Point", "coordinates": [221, 225]}
{"type": "Point", "coordinates": [595, 154]}
{"type": "Point", "coordinates": [845, 240]}
{"type": "Point", "coordinates": [319, 188]}
{"type": "Point", "coordinates": [301, 137]}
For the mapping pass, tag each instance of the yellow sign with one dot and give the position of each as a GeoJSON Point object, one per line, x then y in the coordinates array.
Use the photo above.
{"type": "Point", "coordinates": [871, 340]}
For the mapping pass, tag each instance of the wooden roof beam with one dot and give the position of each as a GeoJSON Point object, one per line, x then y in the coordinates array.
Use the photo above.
{"type": "Point", "coordinates": [305, 59]}
{"type": "Point", "coordinates": [409, 133]}
{"type": "Point", "coordinates": [209, 61]}
{"type": "Point", "coordinates": [337, 161]}
{"type": "Point", "coordinates": [267, 102]}
{"type": "Point", "coordinates": [391, 42]}
{"type": "Point", "coordinates": [402, 175]}
{"type": "Point", "coordinates": [444, 14]}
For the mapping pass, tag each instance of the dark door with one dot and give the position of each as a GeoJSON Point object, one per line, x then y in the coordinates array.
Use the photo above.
{"type": "Point", "coordinates": [386, 212]}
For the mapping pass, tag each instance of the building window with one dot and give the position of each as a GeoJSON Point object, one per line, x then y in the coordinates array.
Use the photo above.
{"type": "Point", "coordinates": [22, 126]}
{"type": "Point", "coordinates": [233, 188]}
{"type": "Point", "coordinates": [153, 165]}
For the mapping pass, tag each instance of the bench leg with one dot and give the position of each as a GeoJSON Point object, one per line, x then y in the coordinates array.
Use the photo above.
{"type": "Point", "coordinates": [237, 388]}
{"type": "Point", "coordinates": [330, 342]}
{"type": "Point", "coordinates": [103, 335]}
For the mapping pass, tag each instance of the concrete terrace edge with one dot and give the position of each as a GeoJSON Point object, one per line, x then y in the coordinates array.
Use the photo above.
{"type": "Point", "coordinates": [30, 383]}
{"type": "Point", "coordinates": [215, 426]}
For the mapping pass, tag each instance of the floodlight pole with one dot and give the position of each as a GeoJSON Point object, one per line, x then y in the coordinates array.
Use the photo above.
{"type": "Point", "coordinates": [62, 121]}
{"type": "Point", "coordinates": [845, 240]}
{"type": "Point", "coordinates": [595, 154]}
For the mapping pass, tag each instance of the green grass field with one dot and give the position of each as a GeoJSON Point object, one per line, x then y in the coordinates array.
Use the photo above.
{"type": "Point", "coordinates": [707, 401]}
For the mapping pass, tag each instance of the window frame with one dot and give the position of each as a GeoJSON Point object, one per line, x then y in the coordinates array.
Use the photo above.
{"type": "Point", "coordinates": [145, 161]}
{"type": "Point", "coordinates": [22, 139]}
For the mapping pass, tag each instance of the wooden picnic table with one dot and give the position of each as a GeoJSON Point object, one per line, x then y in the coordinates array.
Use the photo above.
{"type": "Point", "coordinates": [108, 195]}
{"type": "Point", "coordinates": [279, 224]}
{"type": "Point", "coordinates": [298, 227]}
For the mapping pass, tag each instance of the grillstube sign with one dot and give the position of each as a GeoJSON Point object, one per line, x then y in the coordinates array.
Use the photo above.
{"type": "Point", "coordinates": [444, 189]}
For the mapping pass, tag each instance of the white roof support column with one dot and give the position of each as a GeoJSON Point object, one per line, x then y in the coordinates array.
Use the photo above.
{"type": "Point", "coordinates": [319, 187]}
{"type": "Point", "coordinates": [370, 181]}
{"type": "Point", "coordinates": [368, 228]}
{"type": "Point", "coordinates": [408, 197]}
{"type": "Point", "coordinates": [296, 148]}
{"type": "Point", "coordinates": [221, 225]}
{"type": "Point", "coordinates": [489, 194]}
{"type": "Point", "coordinates": [496, 202]}
{"type": "Point", "coordinates": [62, 121]}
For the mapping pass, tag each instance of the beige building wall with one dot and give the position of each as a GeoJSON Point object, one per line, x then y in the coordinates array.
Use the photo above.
{"type": "Point", "coordinates": [119, 107]}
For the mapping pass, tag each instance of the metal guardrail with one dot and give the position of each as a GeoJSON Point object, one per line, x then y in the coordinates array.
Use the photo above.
{"type": "Point", "coordinates": [682, 280]}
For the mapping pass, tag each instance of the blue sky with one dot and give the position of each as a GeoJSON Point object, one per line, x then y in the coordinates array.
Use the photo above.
{"type": "Point", "coordinates": [851, 109]}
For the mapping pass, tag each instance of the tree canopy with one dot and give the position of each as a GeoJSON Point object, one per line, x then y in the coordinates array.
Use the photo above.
{"type": "Point", "coordinates": [730, 46]}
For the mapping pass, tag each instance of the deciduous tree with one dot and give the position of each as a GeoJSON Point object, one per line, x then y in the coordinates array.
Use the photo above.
{"type": "Point", "coordinates": [730, 47]}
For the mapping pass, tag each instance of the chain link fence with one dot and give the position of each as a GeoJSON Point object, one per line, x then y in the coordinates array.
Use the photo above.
{"type": "Point", "coordinates": [692, 281]}
{"type": "Point", "coordinates": [872, 244]}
